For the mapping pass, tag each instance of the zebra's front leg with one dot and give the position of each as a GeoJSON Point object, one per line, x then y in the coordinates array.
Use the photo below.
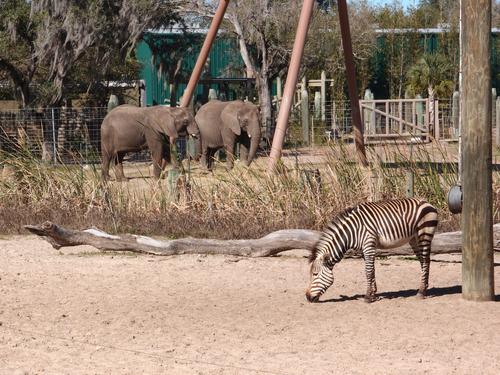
{"type": "Point", "coordinates": [371, 285]}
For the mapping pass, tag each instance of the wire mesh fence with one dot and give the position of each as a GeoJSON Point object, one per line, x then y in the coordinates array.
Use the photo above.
{"type": "Point", "coordinates": [63, 135]}
{"type": "Point", "coordinates": [72, 135]}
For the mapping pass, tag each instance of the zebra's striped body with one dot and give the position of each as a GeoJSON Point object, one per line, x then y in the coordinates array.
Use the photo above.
{"type": "Point", "coordinates": [364, 228]}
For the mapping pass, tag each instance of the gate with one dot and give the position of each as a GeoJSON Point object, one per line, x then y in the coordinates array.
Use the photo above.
{"type": "Point", "coordinates": [398, 119]}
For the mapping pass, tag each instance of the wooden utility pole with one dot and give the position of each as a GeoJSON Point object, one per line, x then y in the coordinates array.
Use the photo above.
{"type": "Point", "coordinates": [477, 220]}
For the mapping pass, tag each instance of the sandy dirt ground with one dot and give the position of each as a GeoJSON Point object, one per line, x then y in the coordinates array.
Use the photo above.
{"type": "Point", "coordinates": [78, 311]}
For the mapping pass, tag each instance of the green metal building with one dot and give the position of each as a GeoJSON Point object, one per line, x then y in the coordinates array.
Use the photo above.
{"type": "Point", "coordinates": [160, 51]}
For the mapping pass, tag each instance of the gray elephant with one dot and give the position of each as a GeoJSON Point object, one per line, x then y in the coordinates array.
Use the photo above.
{"type": "Point", "coordinates": [128, 128]}
{"type": "Point", "coordinates": [223, 124]}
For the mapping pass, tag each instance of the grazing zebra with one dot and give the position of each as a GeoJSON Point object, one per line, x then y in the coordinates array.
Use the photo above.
{"type": "Point", "coordinates": [383, 225]}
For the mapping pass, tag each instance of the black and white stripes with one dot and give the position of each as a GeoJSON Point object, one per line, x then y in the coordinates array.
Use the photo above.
{"type": "Point", "coordinates": [364, 228]}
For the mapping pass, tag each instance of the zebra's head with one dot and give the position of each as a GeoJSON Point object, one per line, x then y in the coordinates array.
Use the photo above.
{"type": "Point", "coordinates": [321, 275]}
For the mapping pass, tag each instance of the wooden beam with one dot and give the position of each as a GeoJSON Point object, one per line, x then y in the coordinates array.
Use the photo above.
{"type": "Point", "coordinates": [477, 213]}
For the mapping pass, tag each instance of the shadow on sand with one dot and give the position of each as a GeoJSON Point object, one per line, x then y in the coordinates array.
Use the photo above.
{"type": "Point", "coordinates": [431, 293]}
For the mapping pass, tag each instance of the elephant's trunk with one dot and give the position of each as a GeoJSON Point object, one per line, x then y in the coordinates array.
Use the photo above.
{"type": "Point", "coordinates": [254, 144]}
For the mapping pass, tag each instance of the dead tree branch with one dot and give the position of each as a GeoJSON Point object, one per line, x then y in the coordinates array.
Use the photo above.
{"type": "Point", "coordinates": [269, 245]}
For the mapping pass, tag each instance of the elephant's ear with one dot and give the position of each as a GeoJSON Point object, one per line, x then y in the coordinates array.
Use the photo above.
{"type": "Point", "coordinates": [168, 123]}
{"type": "Point", "coordinates": [229, 117]}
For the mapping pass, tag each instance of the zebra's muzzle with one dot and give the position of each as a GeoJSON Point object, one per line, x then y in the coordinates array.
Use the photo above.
{"type": "Point", "coordinates": [312, 298]}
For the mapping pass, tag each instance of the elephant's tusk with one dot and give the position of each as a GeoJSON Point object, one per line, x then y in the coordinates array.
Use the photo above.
{"type": "Point", "coordinates": [249, 135]}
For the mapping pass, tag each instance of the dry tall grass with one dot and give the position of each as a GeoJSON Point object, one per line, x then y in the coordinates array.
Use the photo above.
{"type": "Point", "coordinates": [245, 202]}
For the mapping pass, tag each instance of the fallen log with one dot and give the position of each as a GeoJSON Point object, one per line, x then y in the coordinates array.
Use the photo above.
{"type": "Point", "coordinates": [269, 245]}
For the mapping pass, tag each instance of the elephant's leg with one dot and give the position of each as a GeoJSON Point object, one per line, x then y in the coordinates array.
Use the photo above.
{"type": "Point", "coordinates": [205, 156]}
{"type": "Point", "coordinates": [159, 154]}
{"type": "Point", "coordinates": [229, 155]}
{"type": "Point", "coordinates": [106, 160]}
{"type": "Point", "coordinates": [120, 176]}
{"type": "Point", "coordinates": [211, 158]}
{"type": "Point", "coordinates": [173, 153]}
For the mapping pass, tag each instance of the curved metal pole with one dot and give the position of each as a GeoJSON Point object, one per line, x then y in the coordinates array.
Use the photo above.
{"type": "Point", "coordinates": [351, 81]}
{"type": "Point", "coordinates": [205, 50]}
{"type": "Point", "coordinates": [290, 84]}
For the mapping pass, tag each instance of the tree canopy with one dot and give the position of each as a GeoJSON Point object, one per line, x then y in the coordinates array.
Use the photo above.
{"type": "Point", "coordinates": [44, 42]}
{"type": "Point", "coordinates": [52, 49]}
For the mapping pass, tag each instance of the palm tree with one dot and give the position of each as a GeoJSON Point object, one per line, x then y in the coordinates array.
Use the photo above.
{"type": "Point", "coordinates": [431, 71]}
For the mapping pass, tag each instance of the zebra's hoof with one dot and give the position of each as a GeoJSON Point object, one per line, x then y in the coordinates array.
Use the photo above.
{"type": "Point", "coordinates": [370, 299]}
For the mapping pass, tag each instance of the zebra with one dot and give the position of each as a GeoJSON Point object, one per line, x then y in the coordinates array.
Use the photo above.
{"type": "Point", "coordinates": [383, 225]}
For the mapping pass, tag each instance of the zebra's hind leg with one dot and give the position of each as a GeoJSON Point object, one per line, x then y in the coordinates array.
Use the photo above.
{"type": "Point", "coordinates": [422, 249]}
{"type": "Point", "coordinates": [371, 285]}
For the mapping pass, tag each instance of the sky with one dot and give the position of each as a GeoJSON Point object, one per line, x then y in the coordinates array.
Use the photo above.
{"type": "Point", "coordinates": [404, 2]}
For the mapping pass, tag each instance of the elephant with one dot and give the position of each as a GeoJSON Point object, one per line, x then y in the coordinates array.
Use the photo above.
{"type": "Point", "coordinates": [222, 124]}
{"type": "Point", "coordinates": [128, 128]}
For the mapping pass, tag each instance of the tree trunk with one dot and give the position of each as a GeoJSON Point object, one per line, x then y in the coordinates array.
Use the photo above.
{"type": "Point", "coordinates": [18, 79]}
{"type": "Point", "coordinates": [264, 98]}
{"type": "Point", "coordinates": [269, 245]}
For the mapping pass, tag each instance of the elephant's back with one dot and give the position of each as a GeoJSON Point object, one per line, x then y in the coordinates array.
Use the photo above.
{"type": "Point", "coordinates": [121, 113]}
{"type": "Point", "coordinates": [209, 111]}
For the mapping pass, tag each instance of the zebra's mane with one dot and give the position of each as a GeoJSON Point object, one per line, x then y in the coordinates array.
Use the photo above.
{"type": "Point", "coordinates": [337, 219]}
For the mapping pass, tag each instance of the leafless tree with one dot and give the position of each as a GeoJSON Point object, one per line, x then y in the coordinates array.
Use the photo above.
{"type": "Point", "coordinates": [265, 30]}
{"type": "Point", "coordinates": [324, 48]}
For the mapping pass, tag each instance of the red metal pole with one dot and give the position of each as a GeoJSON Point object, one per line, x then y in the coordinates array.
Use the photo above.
{"type": "Point", "coordinates": [205, 50]}
{"type": "Point", "coordinates": [351, 81]}
{"type": "Point", "coordinates": [290, 84]}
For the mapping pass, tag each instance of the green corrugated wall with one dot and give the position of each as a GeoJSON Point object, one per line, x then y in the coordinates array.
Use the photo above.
{"type": "Point", "coordinates": [224, 62]}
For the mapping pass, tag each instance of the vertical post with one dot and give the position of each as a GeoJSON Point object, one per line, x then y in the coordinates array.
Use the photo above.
{"type": "Point", "coordinates": [54, 137]}
{"type": "Point", "coordinates": [290, 84]}
{"type": "Point", "coordinates": [413, 119]}
{"type": "Point", "coordinates": [400, 109]}
{"type": "Point", "coordinates": [318, 107]}
{"type": "Point", "coordinates": [437, 132]}
{"type": "Point", "coordinates": [454, 113]}
{"type": "Point", "coordinates": [477, 220]}
{"type": "Point", "coordinates": [419, 111]}
{"type": "Point", "coordinates": [323, 96]}
{"type": "Point", "coordinates": [387, 119]}
{"type": "Point", "coordinates": [335, 130]}
{"type": "Point", "coordinates": [497, 138]}
{"type": "Point", "coordinates": [304, 109]}
{"type": "Point", "coordinates": [351, 81]}
{"type": "Point", "coordinates": [493, 103]}
{"type": "Point", "coordinates": [279, 88]}
{"type": "Point", "coordinates": [369, 115]}
{"type": "Point", "coordinates": [312, 131]}
{"type": "Point", "coordinates": [205, 50]}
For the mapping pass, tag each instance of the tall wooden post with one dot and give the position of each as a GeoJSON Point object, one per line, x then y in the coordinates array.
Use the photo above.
{"type": "Point", "coordinates": [477, 221]}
